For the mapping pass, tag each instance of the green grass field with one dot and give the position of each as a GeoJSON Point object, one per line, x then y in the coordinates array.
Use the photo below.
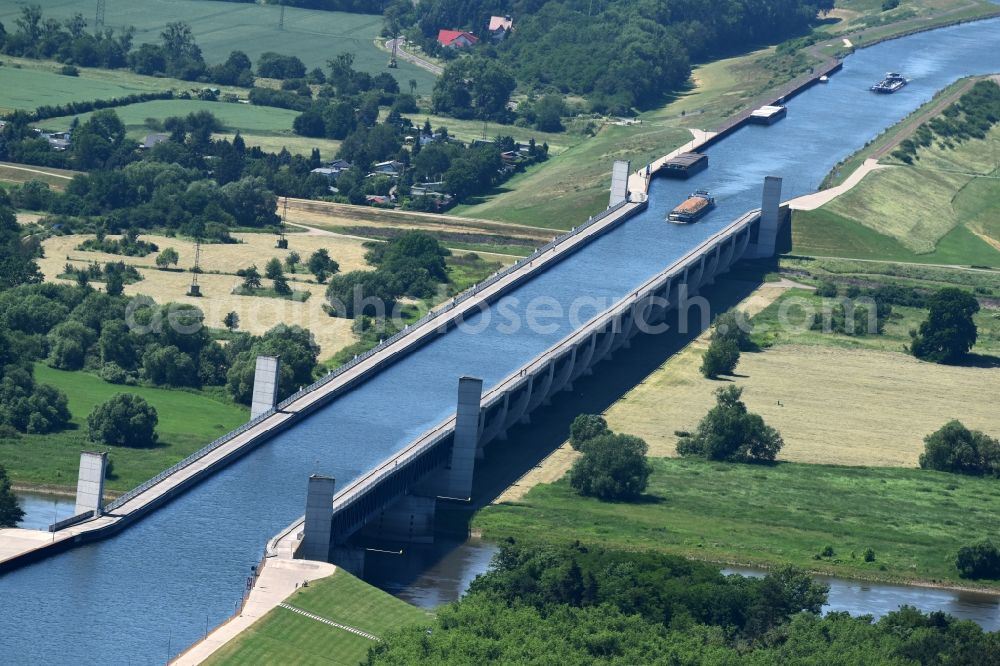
{"type": "Point", "coordinates": [24, 88]}
{"type": "Point", "coordinates": [562, 192]}
{"type": "Point", "coordinates": [824, 233]}
{"type": "Point", "coordinates": [283, 637]}
{"type": "Point", "coordinates": [264, 126]}
{"type": "Point", "coordinates": [222, 27]}
{"type": "Point", "coordinates": [188, 420]}
{"type": "Point", "coordinates": [915, 520]}
{"type": "Point", "coordinates": [793, 305]}
{"type": "Point", "coordinates": [956, 221]}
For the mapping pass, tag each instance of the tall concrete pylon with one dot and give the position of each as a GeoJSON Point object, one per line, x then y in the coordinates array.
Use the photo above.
{"type": "Point", "coordinates": [458, 484]}
{"type": "Point", "coordinates": [770, 218]}
{"type": "Point", "coordinates": [90, 482]}
{"type": "Point", "coordinates": [319, 519]}
{"type": "Point", "coordinates": [265, 385]}
{"type": "Point", "coordinates": [619, 182]}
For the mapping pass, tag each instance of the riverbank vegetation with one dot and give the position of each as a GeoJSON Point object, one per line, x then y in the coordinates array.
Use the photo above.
{"type": "Point", "coordinates": [587, 604]}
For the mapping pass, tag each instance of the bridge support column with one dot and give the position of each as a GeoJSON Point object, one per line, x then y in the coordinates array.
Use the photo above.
{"type": "Point", "coordinates": [265, 385]}
{"type": "Point", "coordinates": [770, 218]}
{"type": "Point", "coordinates": [90, 482]}
{"type": "Point", "coordinates": [319, 519]}
{"type": "Point", "coordinates": [458, 484]}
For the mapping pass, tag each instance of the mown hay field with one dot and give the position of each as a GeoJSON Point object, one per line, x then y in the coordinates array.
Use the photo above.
{"type": "Point", "coordinates": [832, 406]}
{"type": "Point", "coordinates": [257, 314]}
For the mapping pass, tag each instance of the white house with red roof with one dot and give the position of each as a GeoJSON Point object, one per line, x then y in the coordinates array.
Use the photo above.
{"type": "Point", "coordinates": [456, 39]}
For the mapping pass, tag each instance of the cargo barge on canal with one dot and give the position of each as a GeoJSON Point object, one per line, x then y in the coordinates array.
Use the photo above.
{"type": "Point", "coordinates": [892, 82]}
{"type": "Point", "coordinates": [684, 165]}
{"type": "Point", "coordinates": [695, 207]}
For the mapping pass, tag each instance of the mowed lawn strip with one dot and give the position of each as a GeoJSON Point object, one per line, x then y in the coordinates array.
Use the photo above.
{"type": "Point", "coordinates": [285, 637]}
{"type": "Point", "coordinates": [914, 520]}
{"type": "Point", "coordinates": [188, 420]}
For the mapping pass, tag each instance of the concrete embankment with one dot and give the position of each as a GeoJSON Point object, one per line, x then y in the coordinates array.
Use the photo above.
{"type": "Point", "coordinates": [172, 482]}
{"type": "Point", "coordinates": [640, 180]}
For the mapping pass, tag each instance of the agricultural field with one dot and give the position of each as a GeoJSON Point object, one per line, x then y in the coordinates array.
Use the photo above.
{"type": "Point", "coordinates": [220, 263]}
{"type": "Point", "coordinates": [284, 637]}
{"type": "Point", "coordinates": [804, 382]}
{"type": "Point", "coordinates": [914, 520]}
{"type": "Point", "coordinates": [481, 236]}
{"type": "Point", "coordinates": [265, 126]}
{"type": "Point", "coordinates": [222, 27]}
{"type": "Point", "coordinates": [188, 420]}
{"type": "Point", "coordinates": [56, 179]}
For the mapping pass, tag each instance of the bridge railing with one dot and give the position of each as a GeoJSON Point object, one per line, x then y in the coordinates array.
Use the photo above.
{"type": "Point", "coordinates": [329, 377]}
{"type": "Point", "coordinates": [449, 306]}
{"type": "Point", "coordinates": [194, 457]}
{"type": "Point", "coordinates": [435, 435]}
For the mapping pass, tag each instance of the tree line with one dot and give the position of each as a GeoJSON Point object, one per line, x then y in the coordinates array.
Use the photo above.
{"type": "Point", "coordinates": [591, 605]}
{"type": "Point", "coordinates": [620, 55]}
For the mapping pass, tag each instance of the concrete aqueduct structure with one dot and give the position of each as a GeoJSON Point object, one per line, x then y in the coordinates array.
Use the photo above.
{"type": "Point", "coordinates": [396, 500]}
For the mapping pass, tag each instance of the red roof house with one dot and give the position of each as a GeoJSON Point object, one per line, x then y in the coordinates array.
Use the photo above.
{"type": "Point", "coordinates": [456, 38]}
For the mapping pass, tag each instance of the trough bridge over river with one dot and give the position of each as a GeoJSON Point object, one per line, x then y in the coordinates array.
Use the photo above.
{"type": "Point", "coordinates": [151, 589]}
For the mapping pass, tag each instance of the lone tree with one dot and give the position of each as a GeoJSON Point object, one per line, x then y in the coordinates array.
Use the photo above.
{"type": "Point", "coordinates": [251, 278]}
{"type": "Point", "coordinates": [721, 358]}
{"type": "Point", "coordinates": [729, 432]}
{"type": "Point", "coordinates": [292, 260]}
{"type": "Point", "coordinates": [730, 336]}
{"type": "Point", "coordinates": [10, 511]}
{"type": "Point", "coordinates": [949, 331]}
{"type": "Point", "coordinates": [955, 448]}
{"type": "Point", "coordinates": [231, 321]}
{"type": "Point", "coordinates": [167, 257]}
{"type": "Point", "coordinates": [612, 467]}
{"type": "Point", "coordinates": [124, 420]}
{"type": "Point", "coordinates": [981, 560]}
{"type": "Point", "coordinates": [586, 427]}
{"type": "Point", "coordinates": [273, 269]}
{"type": "Point", "coordinates": [321, 265]}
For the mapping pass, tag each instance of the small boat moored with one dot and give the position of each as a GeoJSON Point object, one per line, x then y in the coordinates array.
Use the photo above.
{"type": "Point", "coordinates": [890, 84]}
{"type": "Point", "coordinates": [693, 208]}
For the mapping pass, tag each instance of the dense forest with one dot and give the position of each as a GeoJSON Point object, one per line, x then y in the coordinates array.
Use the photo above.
{"type": "Point", "coordinates": [578, 605]}
{"type": "Point", "coordinates": [618, 53]}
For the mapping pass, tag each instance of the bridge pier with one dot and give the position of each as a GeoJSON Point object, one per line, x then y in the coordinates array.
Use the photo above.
{"type": "Point", "coordinates": [319, 516]}
{"type": "Point", "coordinates": [770, 220]}
{"type": "Point", "coordinates": [458, 482]}
{"type": "Point", "coordinates": [90, 482]}
{"type": "Point", "coordinates": [265, 385]}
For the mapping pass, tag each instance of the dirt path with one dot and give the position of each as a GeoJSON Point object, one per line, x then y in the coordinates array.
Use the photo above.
{"type": "Point", "coordinates": [817, 199]}
{"type": "Point", "coordinates": [427, 65]}
{"type": "Point", "coordinates": [51, 174]}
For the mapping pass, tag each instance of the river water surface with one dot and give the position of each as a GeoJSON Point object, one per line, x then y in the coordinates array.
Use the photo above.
{"type": "Point", "coordinates": [148, 592]}
{"type": "Point", "coordinates": [429, 576]}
